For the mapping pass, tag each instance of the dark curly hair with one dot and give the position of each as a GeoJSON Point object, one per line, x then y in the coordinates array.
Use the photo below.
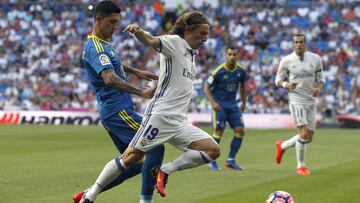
{"type": "Point", "coordinates": [106, 8]}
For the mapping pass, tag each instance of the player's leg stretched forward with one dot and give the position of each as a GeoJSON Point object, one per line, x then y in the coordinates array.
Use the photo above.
{"type": "Point", "coordinates": [306, 124]}
{"type": "Point", "coordinates": [199, 152]}
{"type": "Point", "coordinates": [218, 123]}
{"type": "Point", "coordinates": [300, 142]}
{"type": "Point", "coordinates": [115, 172]}
{"type": "Point", "coordinates": [217, 135]}
{"type": "Point", "coordinates": [154, 157]}
{"type": "Point", "coordinates": [199, 149]}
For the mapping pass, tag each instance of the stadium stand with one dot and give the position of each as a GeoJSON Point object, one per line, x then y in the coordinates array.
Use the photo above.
{"type": "Point", "coordinates": [41, 45]}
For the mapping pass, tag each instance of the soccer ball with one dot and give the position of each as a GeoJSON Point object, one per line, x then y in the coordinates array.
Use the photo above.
{"type": "Point", "coordinates": [280, 197]}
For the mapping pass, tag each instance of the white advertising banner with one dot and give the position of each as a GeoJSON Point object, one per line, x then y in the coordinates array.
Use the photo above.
{"type": "Point", "coordinates": [253, 120]}
{"type": "Point", "coordinates": [49, 117]}
{"type": "Point", "coordinates": [92, 118]}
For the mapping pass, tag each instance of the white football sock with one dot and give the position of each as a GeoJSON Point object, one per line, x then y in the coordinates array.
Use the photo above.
{"type": "Point", "coordinates": [189, 159]}
{"type": "Point", "coordinates": [110, 172]}
{"type": "Point", "coordinates": [300, 147]}
{"type": "Point", "coordinates": [146, 201]}
{"type": "Point", "coordinates": [290, 142]}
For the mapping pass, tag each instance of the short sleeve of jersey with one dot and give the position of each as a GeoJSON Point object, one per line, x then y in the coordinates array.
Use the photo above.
{"type": "Point", "coordinates": [213, 76]}
{"type": "Point", "coordinates": [210, 79]}
{"type": "Point", "coordinates": [282, 72]}
{"type": "Point", "coordinates": [98, 60]}
{"type": "Point", "coordinates": [169, 44]}
{"type": "Point", "coordinates": [244, 78]}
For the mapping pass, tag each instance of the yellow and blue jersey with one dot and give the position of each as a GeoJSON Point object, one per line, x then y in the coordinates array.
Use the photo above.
{"type": "Point", "coordinates": [97, 56]}
{"type": "Point", "coordinates": [224, 83]}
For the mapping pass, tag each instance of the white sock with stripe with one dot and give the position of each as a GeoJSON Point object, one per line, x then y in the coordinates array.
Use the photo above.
{"type": "Point", "coordinates": [290, 142]}
{"type": "Point", "coordinates": [146, 201]}
{"type": "Point", "coordinates": [110, 172]}
{"type": "Point", "coordinates": [189, 159]}
{"type": "Point", "coordinates": [300, 148]}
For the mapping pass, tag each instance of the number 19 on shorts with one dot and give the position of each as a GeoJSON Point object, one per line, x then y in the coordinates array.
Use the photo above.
{"type": "Point", "coordinates": [151, 132]}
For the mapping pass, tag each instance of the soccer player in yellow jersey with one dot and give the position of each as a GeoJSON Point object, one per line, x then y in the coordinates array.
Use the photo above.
{"type": "Point", "coordinates": [221, 89]}
{"type": "Point", "coordinates": [113, 92]}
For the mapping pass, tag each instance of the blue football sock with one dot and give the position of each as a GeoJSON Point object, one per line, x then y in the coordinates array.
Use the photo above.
{"type": "Point", "coordinates": [125, 174]}
{"type": "Point", "coordinates": [153, 159]}
{"type": "Point", "coordinates": [234, 147]}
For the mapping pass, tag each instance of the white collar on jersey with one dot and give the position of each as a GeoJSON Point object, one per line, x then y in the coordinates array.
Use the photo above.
{"type": "Point", "coordinates": [191, 51]}
{"type": "Point", "coordinates": [300, 58]}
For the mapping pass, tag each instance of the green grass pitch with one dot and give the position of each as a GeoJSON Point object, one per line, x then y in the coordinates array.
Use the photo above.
{"type": "Point", "coordinates": [51, 163]}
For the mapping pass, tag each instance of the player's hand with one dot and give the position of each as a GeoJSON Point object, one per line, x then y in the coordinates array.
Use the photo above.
{"type": "Point", "coordinates": [291, 85]}
{"type": "Point", "coordinates": [132, 28]}
{"type": "Point", "coordinates": [146, 75]}
{"type": "Point", "coordinates": [316, 92]}
{"type": "Point", "coordinates": [216, 106]}
{"type": "Point", "coordinates": [242, 107]}
{"type": "Point", "coordinates": [148, 93]}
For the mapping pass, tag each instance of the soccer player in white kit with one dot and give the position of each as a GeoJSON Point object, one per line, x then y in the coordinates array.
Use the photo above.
{"type": "Point", "coordinates": [301, 73]}
{"type": "Point", "coordinates": [165, 117]}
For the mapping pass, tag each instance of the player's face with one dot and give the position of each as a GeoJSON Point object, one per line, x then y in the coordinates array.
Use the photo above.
{"type": "Point", "coordinates": [197, 36]}
{"type": "Point", "coordinates": [231, 56]}
{"type": "Point", "coordinates": [299, 44]}
{"type": "Point", "coordinates": [109, 24]}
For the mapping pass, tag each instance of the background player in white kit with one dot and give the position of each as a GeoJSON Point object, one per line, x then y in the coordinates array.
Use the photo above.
{"type": "Point", "coordinates": [165, 117]}
{"type": "Point", "coordinates": [302, 74]}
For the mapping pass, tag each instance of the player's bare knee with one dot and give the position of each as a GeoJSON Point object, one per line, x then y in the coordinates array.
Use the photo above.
{"type": "Point", "coordinates": [239, 134]}
{"type": "Point", "coordinates": [214, 152]}
{"type": "Point", "coordinates": [303, 135]}
{"type": "Point", "coordinates": [218, 133]}
{"type": "Point", "coordinates": [306, 136]}
{"type": "Point", "coordinates": [310, 138]}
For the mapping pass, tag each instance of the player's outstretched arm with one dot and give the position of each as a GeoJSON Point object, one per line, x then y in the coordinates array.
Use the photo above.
{"type": "Point", "coordinates": [146, 75]}
{"type": "Point", "coordinates": [144, 37]}
{"type": "Point", "coordinates": [110, 78]}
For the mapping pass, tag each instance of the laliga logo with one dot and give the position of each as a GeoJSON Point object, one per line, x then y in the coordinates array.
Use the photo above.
{"type": "Point", "coordinates": [10, 118]}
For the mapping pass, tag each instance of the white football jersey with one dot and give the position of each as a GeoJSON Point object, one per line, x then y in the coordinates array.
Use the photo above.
{"type": "Point", "coordinates": [177, 74]}
{"type": "Point", "coordinates": [305, 73]}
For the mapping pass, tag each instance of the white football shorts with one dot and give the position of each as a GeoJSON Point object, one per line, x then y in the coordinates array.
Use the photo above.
{"type": "Point", "coordinates": [158, 129]}
{"type": "Point", "coordinates": [304, 115]}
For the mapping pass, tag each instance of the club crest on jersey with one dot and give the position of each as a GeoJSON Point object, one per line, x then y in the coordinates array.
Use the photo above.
{"type": "Point", "coordinates": [143, 142]}
{"type": "Point", "coordinates": [104, 59]}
